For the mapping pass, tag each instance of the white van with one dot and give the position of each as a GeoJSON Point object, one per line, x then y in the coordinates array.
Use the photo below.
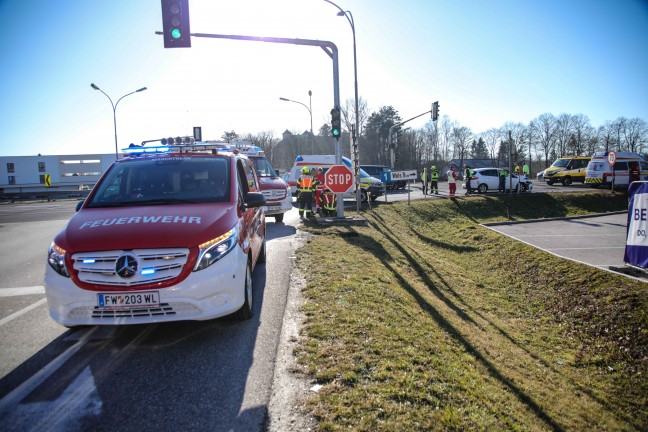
{"type": "Point", "coordinates": [628, 167]}
{"type": "Point", "coordinates": [370, 187]}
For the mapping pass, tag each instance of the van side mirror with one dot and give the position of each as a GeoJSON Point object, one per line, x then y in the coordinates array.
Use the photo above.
{"type": "Point", "coordinates": [255, 199]}
{"type": "Point", "coordinates": [79, 205]}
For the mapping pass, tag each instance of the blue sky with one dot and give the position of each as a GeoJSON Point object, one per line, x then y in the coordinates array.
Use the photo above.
{"type": "Point", "coordinates": [486, 62]}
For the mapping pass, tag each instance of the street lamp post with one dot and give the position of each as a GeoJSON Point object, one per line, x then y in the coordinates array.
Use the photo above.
{"type": "Point", "coordinates": [310, 111]}
{"type": "Point", "coordinates": [349, 17]}
{"type": "Point", "coordinates": [114, 107]}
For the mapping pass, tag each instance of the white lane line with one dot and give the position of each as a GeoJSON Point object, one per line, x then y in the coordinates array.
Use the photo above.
{"type": "Point", "coordinates": [21, 312]}
{"type": "Point", "coordinates": [10, 292]}
{"type": "Point", "coordinates": [565, 235]}
{"type": "Point", "coordinates": [588, 248]}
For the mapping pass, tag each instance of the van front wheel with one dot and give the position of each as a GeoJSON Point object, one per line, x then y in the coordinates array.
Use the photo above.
{"type": "Point", "coordinates": [245, 313]}
{"type": "Point", "coordinates": [567, 181]}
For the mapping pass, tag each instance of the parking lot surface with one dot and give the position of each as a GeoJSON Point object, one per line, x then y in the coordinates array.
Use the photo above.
{"type": "Point", "coordinates": [598, 240]}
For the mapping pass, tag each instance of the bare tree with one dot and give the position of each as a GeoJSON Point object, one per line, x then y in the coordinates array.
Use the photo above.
{"type": "Point", "coordinates": [267, 142]}
{"type": "Point", "coordinates": [635, 134]}
{"type": "Point", "coordinates": [446, 134]}
{"type": "Point", "coordinates": [461, 136]}
{"type": "Point", "coordinates": [564, 131]}
{"type": "Point", "coordinates": [348, 117]}
{"type": "Point", "coordinates": [580, 130]}
{"type": "Point", "coordinates": [411, 148]}
{"type": "Point", "coordinates": [521, 137]}
{"type": "Point", "coordinates": [606, 136]}
{"type": "Point", "coordinates": [492, 138]}
{"type": "Point", "coordinates": [543, 131]}
{"type": "Point", "coordinates": [431, 136]}
{"type": "Point", "coordinates": [229, 136]}
{"type": "Point", "coordinates": [617, 127]}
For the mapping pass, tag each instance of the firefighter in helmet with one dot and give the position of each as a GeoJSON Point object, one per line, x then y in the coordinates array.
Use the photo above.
{"type": "Point", "coordinates": [434, 180]}
{"type": "Point", "coordinates": [306, 187]}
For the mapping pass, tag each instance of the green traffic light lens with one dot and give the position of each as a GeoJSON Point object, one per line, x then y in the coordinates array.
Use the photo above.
{"type": "Point", "coordinates": [176, 34]}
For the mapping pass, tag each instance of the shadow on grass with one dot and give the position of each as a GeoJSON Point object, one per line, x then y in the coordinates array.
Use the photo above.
{"type": "Point", "coordinates": [380, 252]}
{"type": "Point", "coordinates": [422, 273]}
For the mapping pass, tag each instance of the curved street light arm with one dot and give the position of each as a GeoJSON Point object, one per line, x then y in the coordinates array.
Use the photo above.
{"type": "Point", "coordinates": [136, 91]}
{"type": "Point", "coordinates": [300, 103]}
{"type": "Point", "coordinates": [114, 107]}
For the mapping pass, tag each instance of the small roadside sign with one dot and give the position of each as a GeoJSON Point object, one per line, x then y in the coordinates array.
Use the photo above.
{"type": "Point", "coordinates": [197, 133]}
{"type": "Point", "coordinates": [404, 175]}
{"type": "Point", "coordinates": [612, 157]}
{"type": "Point", "coordinates": [48, 180]}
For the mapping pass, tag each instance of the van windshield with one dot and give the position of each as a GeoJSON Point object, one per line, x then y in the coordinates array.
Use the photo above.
{"type": "Point", "coordinates": [561, 163]}
{"type": "Point", "coordinates": [164, 181]}
{"type": "Point", "coordinates": [263, 167]}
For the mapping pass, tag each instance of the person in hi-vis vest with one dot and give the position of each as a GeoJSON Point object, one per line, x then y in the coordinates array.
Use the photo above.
{"type": "Point", "coordinates": [306, 187]}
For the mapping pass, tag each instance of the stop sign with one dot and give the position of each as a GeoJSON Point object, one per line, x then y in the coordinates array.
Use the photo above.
{"type": "Point", "coordinates": [338, 179]}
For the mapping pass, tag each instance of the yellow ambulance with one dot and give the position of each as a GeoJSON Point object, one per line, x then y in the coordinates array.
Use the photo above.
{"type": "Point", "coordinates": [567, 170]}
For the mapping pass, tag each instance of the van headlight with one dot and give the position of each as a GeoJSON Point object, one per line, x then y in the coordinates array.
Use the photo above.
{"type": "Point", "coordinates": [215, 249]}
{"type": "Point", "coordinates": [56, 259]}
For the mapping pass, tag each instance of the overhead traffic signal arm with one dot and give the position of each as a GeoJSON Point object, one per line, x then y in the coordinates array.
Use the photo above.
{"type": "Point", "coordinates": [175, 24]}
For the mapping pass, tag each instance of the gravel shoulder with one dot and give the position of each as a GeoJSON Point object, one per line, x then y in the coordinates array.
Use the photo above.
{"type": "Point", "coordinates": [290, 388]}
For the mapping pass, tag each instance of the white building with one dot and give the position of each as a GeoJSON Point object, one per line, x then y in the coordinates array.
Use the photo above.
{"type": "Point", "coordinates": [27, 176]}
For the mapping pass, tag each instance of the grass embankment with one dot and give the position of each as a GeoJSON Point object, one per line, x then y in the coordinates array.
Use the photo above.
{"type": "Point", "coordinates": [425, 320]}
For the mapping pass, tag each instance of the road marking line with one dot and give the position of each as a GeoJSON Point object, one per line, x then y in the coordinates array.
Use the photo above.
{"type": "Point", "coordinates": [10, 292]}
{"type": "Point", "coordinates": [21, 312]}
{"type": "Point", "coordinates": [565, 235]}
{"type": "Point", "coordinates": [589, 248]}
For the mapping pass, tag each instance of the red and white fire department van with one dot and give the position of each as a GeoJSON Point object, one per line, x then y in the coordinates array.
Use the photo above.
{"type": "Point", "coordinates": [276, 190]}
{"type": "Point", "coordinates": [168, 233]}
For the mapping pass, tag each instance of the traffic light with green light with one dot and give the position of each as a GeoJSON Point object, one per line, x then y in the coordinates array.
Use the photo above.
{"type": "Point", "coordinates": [336, 123]}
{"type": "Point", "coordinates": [175, 23]}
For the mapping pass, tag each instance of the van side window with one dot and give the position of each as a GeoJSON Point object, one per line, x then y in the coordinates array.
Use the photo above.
{"type": "Point", "coordinates": [247, 177]}
{"type": "Point", "coordinates": [621, 166]}
{"type": "Point", "coordinates": [644, 166]}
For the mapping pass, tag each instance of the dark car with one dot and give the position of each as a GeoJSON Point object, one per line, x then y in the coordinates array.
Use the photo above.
{"type": "Point", "coordinates": [377, 170]}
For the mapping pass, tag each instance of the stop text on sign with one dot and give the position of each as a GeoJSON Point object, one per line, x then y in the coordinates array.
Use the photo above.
{"type": "Point", "coordinates": [338, 179]}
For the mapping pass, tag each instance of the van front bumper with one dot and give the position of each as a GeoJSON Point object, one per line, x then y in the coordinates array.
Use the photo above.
{"type": "Point", "coordinates": [213, 292]}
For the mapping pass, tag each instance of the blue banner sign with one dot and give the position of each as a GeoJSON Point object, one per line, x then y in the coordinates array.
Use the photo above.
{"type": "Point", "coordinates": [636, 250]}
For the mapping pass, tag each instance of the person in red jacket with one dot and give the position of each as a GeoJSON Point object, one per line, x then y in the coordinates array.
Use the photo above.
{"type": "Point", "coordinates": [452, 181]}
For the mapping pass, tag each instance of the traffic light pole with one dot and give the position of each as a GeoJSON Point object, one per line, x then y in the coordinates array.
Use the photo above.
{"type": "Point", "coordinates": [329, 48]}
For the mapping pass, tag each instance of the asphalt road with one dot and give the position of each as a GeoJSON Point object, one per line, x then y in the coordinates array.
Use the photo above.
{"type": "Point", "coordinates": [211, 376]}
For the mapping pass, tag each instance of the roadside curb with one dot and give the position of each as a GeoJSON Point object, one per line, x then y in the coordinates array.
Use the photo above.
{"type": "Point", "coordinates": [290, 387]}
{"type": "Point", "coordinates": [553, 219]}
